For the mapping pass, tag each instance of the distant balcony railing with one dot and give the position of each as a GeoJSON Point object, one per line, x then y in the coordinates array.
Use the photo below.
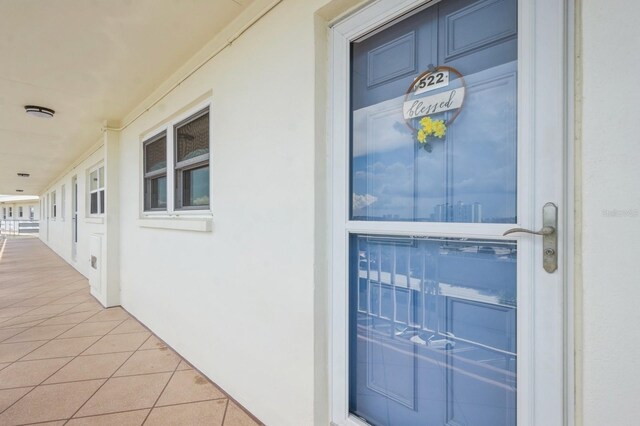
{"type": "Point", "coordinates": [19, 227]}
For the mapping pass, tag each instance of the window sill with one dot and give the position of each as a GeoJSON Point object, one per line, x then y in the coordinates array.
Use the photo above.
{"type": "Point", "coordinates": [98, 220]}
{"type": "Point", "coordinates": [178, 224]}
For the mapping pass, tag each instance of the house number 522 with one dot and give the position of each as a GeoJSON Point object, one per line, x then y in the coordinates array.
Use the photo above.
{"type": "Point", "coordinates": [432, 81]}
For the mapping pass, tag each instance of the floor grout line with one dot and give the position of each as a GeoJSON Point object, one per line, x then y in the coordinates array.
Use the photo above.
{"type": "Point", "coordinates": [109, 378]}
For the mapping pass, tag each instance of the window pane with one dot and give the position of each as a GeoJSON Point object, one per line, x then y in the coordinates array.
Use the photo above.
{"type": "Point", "coordinates": [101, 178]}
{"type": "Point", "coordinates": [94, 203]}
{"type": "Point", "coordinates": [158, 196]}
{"type": "Point", "coordinates": [192, 139]}
{"type": "Point", "coordinates": [101, 201]}
{"type": "Point", "coordinates": [196, 187]}
{"type": "Point", "coordinates": [93, 179]}
{"type": "Point", "coordinates": [156, 155]}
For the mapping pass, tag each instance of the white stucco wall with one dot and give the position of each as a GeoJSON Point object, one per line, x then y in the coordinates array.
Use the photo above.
{"type": "Point", "coordinates": [238, 302]}
{"type": "Point", "coordinates": [611, 213]}
{"type": "Point", "coordinates": [57, 232]}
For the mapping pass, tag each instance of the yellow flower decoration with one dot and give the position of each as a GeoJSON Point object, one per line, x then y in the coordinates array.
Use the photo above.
{"type": "Point", "coordinates": [427, 125]}
{"type": "Point", "coordinates": [439, 129]}
{"type": "Point", "coordinates": [422, 136]}
{"type": "Point", "coordinates": [430, 127]}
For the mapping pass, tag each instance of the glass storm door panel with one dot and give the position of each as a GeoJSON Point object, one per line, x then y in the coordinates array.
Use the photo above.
{"type": "Point", "coordinates": [432, 320]}
{"type": "Point", "coordinates": [469, 175]}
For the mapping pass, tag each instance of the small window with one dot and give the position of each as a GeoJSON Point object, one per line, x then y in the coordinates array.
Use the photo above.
{"type": "Point", "coordinates": [155, 173]}
{"type": "Point", "coordinates": [62, 201]}
{"type": "Point", "coordinates": [54, 206]}
{"type": "Point", "coordinates": [4, 212]}
{"type": "Point", "coordinates": [192, 162]}
{"type": "Point", "coordinates": [96, 191]}
{"type": "Point", "coordinates": [32, 212]}
{"type": "Point", "coordinates": [20, 212]}
{"type": "Point", "coordinates": [11, 212]}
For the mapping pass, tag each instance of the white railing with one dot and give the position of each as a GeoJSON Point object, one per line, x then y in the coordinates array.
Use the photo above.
{"type": "Point", "coordinates": [19, 227]}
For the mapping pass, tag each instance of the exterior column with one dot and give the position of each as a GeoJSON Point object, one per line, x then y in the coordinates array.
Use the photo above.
{"type": "Point", "coordinates": [109, 295]}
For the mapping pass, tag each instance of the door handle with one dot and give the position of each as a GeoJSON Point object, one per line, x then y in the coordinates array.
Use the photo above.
{"type": "Point", "coordinates": [549, 236]}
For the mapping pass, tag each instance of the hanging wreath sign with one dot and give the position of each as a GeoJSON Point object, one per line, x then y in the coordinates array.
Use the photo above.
{"type": "Point", "coordinates": [417, 110]}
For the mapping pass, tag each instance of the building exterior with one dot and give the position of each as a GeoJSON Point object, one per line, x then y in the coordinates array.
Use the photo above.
{"type": "Point", "coordinates": [265, 210]}
{"type": "Point", "coordinates": [19, 214]}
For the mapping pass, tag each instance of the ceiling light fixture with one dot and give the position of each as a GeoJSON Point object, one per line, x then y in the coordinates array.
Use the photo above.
{"type": "Point", "coordinates": [24, 174]}
{"type": "Point", "coordinates": [38, 111]}
{"type": "Point", "coordinates": [19, 190]}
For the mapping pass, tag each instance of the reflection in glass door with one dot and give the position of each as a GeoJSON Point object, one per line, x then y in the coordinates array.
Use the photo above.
{"type": "Point", "coordinates": [432, 320]}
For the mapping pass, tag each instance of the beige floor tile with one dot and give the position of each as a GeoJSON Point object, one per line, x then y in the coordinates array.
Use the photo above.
{"type": "Point", "coordinates": [10, 352]}
{"type": "Point", "coordinates": [208, 413]}
{"type": "Point", "coordinates": [52, 309]}
{"type": "Point", "coordinates": [24, 321]}
{"type": "Point", "coordinates": [9, 396]}
{"type": "Point", "coordinates": [188, 386]}
{"type": "Point", "coordinates": [5, 333]}
{"type": "Point", "coordinates": [151, 361]}
{"type": "Point", "coordinates": [153, 343]}
{"type": "Point", "coordinates": [39, 333]}
{"type": "Point", "coordinates": [86, 307]}
{"type": "Point", "coordinates": [111, 314]}
{"type": "Point", "coordinates": [73, 299]}
{"type": "Point", "coordinates": [125, 393]}
{"type": "Point", "coordinates": [14, 311]}
{"type": "Point", "coordinates": [74, 318]}
{"type": "Point", "coordinates": [90, 367]}
{"type": "Point", "coordinates": [130, 418]}
{"type": "Point", "coordinates": [184, 366]}
{"type": "Point", "coordinates": [29, 373]}
{"type": "Point", "coordinates": [90, 329]}
{"type": "Point", "coordinates": [34, 302]}
{"type": "Point", "coordinates": [237, 417]}
{"type": "Point", "coordinates": [51, 402]}
{"type": "Point", "coordinates": [62, 347]}
{"type": "Point", "coordinates": [118, 343]}
{"type": "Point", "coordinates": [129, 326]}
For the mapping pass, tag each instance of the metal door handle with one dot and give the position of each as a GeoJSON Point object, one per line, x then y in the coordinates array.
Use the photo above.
{"type": "Point", "coordinates": [549, 236]}
{"type": "Point", "coordinates": [546, 230]}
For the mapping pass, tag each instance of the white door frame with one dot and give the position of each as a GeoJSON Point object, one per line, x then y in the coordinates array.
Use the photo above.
{"type": "Point", "coordinates": [74, 218]}
{"type": "Point", "coordinates": [544, 390]}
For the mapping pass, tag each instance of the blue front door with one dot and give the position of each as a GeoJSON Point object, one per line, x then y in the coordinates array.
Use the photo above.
{"type": "Point", "coordinates": [432, 319]}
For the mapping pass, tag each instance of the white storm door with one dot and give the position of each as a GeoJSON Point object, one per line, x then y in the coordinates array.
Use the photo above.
{"type": "Point", "coordinates": [437, 318]}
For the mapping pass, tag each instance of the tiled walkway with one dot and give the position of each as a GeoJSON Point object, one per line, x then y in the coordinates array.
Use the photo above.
{"type": "Point", "coordinates": [65, 360]}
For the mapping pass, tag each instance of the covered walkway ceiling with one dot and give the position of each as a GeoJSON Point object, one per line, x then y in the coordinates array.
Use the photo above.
{"type": "Point", "coordinates": [90, 61]}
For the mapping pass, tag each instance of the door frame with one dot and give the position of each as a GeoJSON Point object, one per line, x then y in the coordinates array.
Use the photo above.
{"type": "Point", "coordinates": [74, 218]}
{"type": "Point", "coordinates": [545, 386]}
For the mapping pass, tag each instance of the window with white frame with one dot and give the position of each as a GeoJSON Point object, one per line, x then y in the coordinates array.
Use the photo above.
{"type": "Point", "coordinates": [4, 212]}
{"type": "Point", "coordinates": [54, 206]}
{"type": "Point", "coordinates": [20, 212]}
{"type": "Point", "coordinates": [192, 162]}
{"type": "Point", "coordinates": [11, 212]}
{"type": "Point", "coordinates": [186, 144]}
{"type": "Point", "coordinates": [62, 201]}
{"type": "Point", "coordinates": [155, 173]}
{"type": "Point", "coordinates": [96, 191]}
{"type": "Point", "coordinates": [32, 212]}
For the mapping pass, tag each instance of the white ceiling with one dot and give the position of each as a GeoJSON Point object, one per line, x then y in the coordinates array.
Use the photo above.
{"type": "Point", "coordinates": [90, 61]}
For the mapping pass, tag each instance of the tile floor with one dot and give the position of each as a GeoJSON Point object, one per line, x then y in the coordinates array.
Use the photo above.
{"type": "Point", "coordinates": [65, 360]}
